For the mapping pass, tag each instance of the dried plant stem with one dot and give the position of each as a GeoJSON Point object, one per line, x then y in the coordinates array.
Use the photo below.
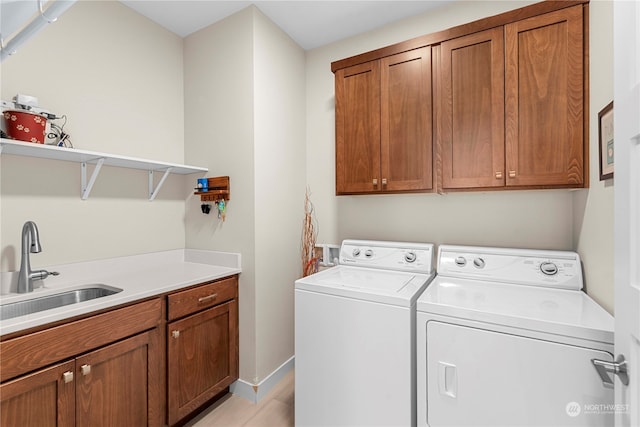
{"type": "Point", "coordinates": [309, 236]}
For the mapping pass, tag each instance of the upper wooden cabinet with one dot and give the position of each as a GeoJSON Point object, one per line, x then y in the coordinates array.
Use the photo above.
{"type": "Point", "coordinates": [357, 127]}
{"type": "Point", "coordinates": [509, 106]}
{"type": "Point", "coordinates": [405, 126]}
{"type": "Point", "coordinates": [383, 125]}
{"type": "Point", "coordinates": [471, 131]}
{"type": "Point", "coordinates": [544, 90]}
{"type": "Point", "coordinates": [529, 134]}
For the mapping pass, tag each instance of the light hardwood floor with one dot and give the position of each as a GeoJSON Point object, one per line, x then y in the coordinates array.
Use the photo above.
{"type": "Point", "coordinates": [274, 410]}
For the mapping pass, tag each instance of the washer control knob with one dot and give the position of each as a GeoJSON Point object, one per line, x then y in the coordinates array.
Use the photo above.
{"type": "Point", "coordinates": [460, 261]}
{"type": "Point", "coordinates": [368, 253]}
{"type": "Point", "coordinates": [356, 252]}
{"type": "Point", "coordinates": [549, 268]}
{"type": "Point", "coordinates": [410, 257]}
{"type": "Point", "coordinates": [478, 262]}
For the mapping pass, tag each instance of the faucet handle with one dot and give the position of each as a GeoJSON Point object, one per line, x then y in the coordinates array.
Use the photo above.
{"type": "Point", "coordinates": [43, 274]}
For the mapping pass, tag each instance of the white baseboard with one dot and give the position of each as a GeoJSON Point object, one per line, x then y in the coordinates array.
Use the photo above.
{"type": "Point", "coordinates": [255, 392]}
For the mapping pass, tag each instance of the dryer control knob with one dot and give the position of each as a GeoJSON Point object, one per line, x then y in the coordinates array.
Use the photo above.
{"type": "Point", "coordinates": [478, 262]}
{"type": "Point", "coordinates": [549, 268]}
{"type": "Point", "coordinates": [410, 257]}
{"type": "Point", "coordinates": [368, 253]}
{"type": "Point", "coordinates": [356, 252]}
{"type": "Point", "coordinates": [460, 261]}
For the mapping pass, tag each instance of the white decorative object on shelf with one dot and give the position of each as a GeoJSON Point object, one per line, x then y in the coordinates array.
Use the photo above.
{"type": "Point", "coordinates": [84, 157]}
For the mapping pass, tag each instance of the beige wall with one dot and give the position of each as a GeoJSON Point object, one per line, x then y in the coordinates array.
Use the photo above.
{"type": "Point", "coordinates": [568, 220]}
{"type": "Point", "coordinates": [279, 90]}
{"type": "Point", "coordinates": [219, 128]}
{"type": "Point", "coordinates": [593, 208]}
{"type": "Point", "coordinates": [118, 78]}
{"type": "Point", "coordinates": [244, 108]}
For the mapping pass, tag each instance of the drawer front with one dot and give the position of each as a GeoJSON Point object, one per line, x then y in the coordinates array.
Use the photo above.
{"type": "Point", "coordinates": [183, 303]}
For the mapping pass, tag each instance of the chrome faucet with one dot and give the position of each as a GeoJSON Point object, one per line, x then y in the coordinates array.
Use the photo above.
{"type": "Point", "coordinates": [30, 243]}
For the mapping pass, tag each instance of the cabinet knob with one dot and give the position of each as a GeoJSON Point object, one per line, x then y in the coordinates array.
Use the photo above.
{"type": "Point", "coordinates": [512, 174]}
{"type": "Point", "coordinates": [175, 334]}
{"type": "Point", "coordinates": [498, 175]}
{"type": "Point", "coordinates": [67, 377]}
{"type": "Point", "coordinates": [375, 181]}
{"type": "Point", "coordinates": [384, 181]}
{"type": "Point", "coordinates": [85, 369]}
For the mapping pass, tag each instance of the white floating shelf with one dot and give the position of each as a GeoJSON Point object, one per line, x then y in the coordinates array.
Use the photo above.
{"type": "Point", "coordinates": [84, 157]}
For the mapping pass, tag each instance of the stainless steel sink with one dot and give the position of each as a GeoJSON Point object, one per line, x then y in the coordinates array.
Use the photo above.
{"type": "Point", "coordinates": [34, 305]}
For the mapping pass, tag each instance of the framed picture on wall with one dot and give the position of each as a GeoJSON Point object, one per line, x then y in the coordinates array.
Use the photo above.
{"type": "Point", "coordinates": [605, 138]}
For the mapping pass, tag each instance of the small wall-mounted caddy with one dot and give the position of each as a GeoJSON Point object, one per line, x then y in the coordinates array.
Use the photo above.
{"type": "Point", "coordinates": [218, 190]}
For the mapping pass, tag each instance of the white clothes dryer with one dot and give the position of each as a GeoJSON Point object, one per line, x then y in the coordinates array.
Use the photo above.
{"type": "Point", "coordinates": [506, 337]}
{"type": "Point", "coordinates": [355, 336]}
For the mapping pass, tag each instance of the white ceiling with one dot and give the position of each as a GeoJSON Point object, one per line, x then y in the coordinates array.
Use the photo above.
{"type": "Point", "coordinates": [310, 23]}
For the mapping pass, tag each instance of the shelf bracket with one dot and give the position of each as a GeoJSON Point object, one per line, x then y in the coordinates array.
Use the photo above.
{"type": "Point", "coordinates": [154, 192]}
{"type": "Point", "coordinates": [87, 186]}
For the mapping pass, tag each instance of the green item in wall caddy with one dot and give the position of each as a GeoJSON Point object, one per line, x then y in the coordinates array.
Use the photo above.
{"type": "Point", "coordinates": [222, 209]}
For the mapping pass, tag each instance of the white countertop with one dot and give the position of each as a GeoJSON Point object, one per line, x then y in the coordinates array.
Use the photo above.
{"type": "Point", "coordinates": [139, 276]}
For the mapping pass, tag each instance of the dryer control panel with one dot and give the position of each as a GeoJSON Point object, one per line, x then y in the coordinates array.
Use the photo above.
{"type": "Point", "coordinates": [400, 256]}
{"type": "Point", "coordinates": [555, 269]}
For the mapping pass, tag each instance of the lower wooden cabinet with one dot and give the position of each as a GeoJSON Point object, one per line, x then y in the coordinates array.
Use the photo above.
{"type": "Point", "coordinates": [101, 370]}
{"type": "Point", "coordinates": [113, 368]}
{"type": "Point", "coordinates": [202, 352]}
{"type": "Point", "coordinates": [41, 399]}
{"type": "Point", "coordinates": [113, 383]}
{"type": "Point", "coordinates": [107, 387]}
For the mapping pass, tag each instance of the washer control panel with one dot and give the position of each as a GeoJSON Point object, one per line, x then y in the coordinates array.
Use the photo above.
{"type": "Point", "coordinates": [557, 269]}
{"type": "Point", "coordinates": [403, 256]}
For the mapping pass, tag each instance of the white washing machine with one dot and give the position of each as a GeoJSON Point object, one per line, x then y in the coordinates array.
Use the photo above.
{"type": "Point", "coordinates": [355, 336]}
{"type": "Point", "coordinates": [506, 337]}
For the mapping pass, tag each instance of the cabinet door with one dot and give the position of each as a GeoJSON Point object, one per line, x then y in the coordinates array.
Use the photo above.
{"type": "Point", "coordinates": [357, 106]}
{"type": "Point", "coordinates": [202, 357]}
{"type": "Point", "coordinates": [471, 128]}
{"type": "Point", "coordinates": [406, 126]}
{"type": "Point", "coordinates": [113, 384]}
{"type": "Point", "coordinates": [41, 399]}
{"type": "Point", "coordinates": [544, 100]}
